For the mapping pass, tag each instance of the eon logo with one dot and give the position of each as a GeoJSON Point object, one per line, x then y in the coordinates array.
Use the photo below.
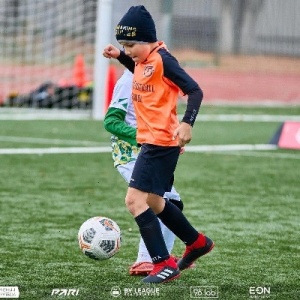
{"type": "Point", "coordinates": [261, 291]}
{"type": "Point", "coordinates": [65, 292]}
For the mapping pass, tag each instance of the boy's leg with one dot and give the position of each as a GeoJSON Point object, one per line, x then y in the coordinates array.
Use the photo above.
{"type": "Point", "coordinates": [165, 268]}
{"type": "Point", "coordinates": [197, 244]}
{"type": "Point", "coordinates": [174, 197]}
{"type": "Point", "coordinates": [169, 236]}
{"type": "Point", "coordinates": [143, 264]}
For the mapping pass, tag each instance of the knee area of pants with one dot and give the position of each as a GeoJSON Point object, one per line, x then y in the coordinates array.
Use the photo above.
{"type": "Point", "coordinates": [179, 204]}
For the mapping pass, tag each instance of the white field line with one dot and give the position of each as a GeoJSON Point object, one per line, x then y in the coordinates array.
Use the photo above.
{"type": "Point", "coordinates": [95, 144]}
{"type": "Point", "coordinates": [262, 154]}
{"type": "Point", "coordinates": [222, 148]}
{"type": "Point", "coordinates": [19, 139]}
{"type": "Point", "coordinates": [243, 150]}
{"type": "Point", "coordinates": [62, 150]}
{"type": "Point", "coordinates": [35, 114]}
{"type": "Point", "coordinates": [239, 150]}
{"type": "Point", "coordinates": [86, 115]}
{"type": "Point", "coordinates": [246, 118]}
{"type": "Point", "coordinates": [56, 150]}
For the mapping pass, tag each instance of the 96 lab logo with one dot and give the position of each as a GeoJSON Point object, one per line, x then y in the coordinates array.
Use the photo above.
{"type": "Point", "coordinates": [204, 292]}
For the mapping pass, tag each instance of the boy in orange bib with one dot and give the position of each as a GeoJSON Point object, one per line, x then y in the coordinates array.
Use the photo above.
{"type": "Point", "coordinates": [157, 80]}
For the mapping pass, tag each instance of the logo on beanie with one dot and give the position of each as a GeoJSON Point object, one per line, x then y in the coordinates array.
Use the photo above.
{"type": "Point", "coordinates": [148, 70]}
{"type": "Point", "coordinates": [125, 31]}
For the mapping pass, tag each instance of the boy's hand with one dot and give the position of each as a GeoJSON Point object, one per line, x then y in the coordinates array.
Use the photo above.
{"type": "Point", "coordinates": [184, 133]}
{"type": "Point", "coordinates": [110, 51]}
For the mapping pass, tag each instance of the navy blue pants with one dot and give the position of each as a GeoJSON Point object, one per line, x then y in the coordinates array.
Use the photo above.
{"type": "Point", "coordinates": [154, 169]}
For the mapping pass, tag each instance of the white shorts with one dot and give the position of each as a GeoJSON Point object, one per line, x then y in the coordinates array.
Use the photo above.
{"type": "Point", "coordinates": [126, 172]}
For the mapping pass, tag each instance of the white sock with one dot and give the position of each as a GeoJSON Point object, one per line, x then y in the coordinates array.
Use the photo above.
{"type": "Point", "coordinates": [143, 255]}
{"type": "Point", "coordinates": [169, 237]}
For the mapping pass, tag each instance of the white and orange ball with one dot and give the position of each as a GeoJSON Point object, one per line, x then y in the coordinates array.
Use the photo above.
{"type": "Point", "coordinates": [99, 238]}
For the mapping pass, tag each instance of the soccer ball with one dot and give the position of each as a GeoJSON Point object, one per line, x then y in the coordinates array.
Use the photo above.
{"type": "Point", "coordinates": [99, 238]}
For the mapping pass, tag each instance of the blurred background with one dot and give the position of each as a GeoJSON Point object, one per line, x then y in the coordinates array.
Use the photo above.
{"type": "Point", "coordinates": [240, 51]}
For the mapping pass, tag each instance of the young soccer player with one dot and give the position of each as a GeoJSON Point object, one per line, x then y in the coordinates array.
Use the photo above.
{"type": "Point", "coordinates": [120, 121]}
{"type": "Point", "coordinates": [158, 78]}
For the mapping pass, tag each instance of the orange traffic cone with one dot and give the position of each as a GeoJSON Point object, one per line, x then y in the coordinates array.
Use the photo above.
{"type": "Point", "coordinates": [110, 84]}
{"type": "Point", "coordinates": [79, 71]}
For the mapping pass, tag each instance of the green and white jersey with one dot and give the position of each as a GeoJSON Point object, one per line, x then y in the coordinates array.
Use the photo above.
{"type": "Point", "coordinates": [123, 152]}
{"type": "Point", "coordinates": [122, 122]}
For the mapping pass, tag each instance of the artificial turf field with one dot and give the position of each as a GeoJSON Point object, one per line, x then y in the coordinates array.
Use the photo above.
{"type": "Point", "coordinates": [246, 201]}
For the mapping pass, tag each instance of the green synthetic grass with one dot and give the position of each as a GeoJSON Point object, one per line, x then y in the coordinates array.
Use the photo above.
{"type": "Point", "coordinates": [204, 133]}
{"type": "Point", "coordinates": [247, 202]}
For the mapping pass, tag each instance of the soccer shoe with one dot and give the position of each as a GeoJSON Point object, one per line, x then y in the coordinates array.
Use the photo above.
{"type": "Point", "coordinates": [192, 253]}
{"type": "Point", "coordinates": [176, 259]}
{"type": "Point", "coordinates": [163, 272]}
{"type": "Point", "coordinates": [141, 268]}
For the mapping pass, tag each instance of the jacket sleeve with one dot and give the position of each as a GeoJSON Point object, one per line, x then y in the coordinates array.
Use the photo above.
{"type": "Point", "coordinates": [114, 122]}
{"type": "Point", "coordinates": [126, 61]}
{"type": "Point", "coordinates": [174, 72]}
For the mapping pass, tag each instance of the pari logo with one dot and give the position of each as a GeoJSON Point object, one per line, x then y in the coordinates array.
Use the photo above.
{"type": "Point", "coordinates": [65, 292]}
{"type": "Point", "coordinates": [259, 292]}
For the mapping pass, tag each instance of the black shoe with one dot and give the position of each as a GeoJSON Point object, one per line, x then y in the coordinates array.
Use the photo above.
{"type": "Point", "coordinates": [191, 254]}
{"type": "Point", "coordinates": [162, 272]}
